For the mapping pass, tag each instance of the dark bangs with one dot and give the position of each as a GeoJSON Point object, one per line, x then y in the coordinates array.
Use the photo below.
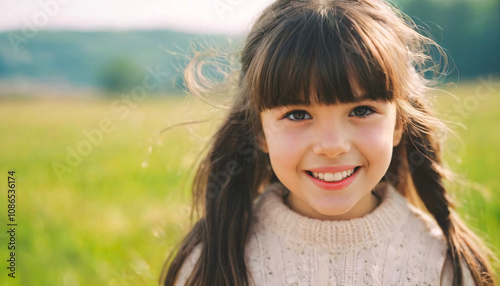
{"type": "Point", "coordinates": [313, 57]}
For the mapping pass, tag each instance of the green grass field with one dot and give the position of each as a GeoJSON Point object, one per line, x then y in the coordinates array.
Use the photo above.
{"type": "Point", "coordinates": [95, 207]}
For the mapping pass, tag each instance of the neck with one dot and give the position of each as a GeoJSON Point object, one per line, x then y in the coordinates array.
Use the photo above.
{"type": "Point", "coordinates": [363, 207]}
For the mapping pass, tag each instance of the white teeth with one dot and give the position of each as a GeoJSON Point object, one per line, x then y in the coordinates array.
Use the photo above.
{"type": "Point", "coordinates": [337, 176]}
{"type": "Point", "coordinates": [329, 177]}
{"type": "Point", "coordinates": [333, 177]}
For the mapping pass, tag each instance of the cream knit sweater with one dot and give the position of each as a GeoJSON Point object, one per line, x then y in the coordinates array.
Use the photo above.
{"type": "Point", "coordinates": [395, 244]}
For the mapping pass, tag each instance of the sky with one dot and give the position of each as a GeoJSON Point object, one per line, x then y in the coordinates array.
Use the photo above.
{"type": "Point", "coordinates": [202, 16]}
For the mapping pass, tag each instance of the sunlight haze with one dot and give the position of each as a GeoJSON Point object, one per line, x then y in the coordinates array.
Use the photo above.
{"type": "Point", "coordinates": [213, 16]}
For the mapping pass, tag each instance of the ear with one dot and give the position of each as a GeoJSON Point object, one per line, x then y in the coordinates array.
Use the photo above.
{"type": "Point", "coordinates": [398, 133]}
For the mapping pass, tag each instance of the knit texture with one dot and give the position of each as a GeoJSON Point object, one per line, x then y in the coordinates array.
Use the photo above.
{"type": "Point", "coordinates": [395, 244]}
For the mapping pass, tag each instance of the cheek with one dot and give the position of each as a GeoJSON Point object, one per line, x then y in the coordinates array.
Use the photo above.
{"type": "Point", "coordinates": [285, 148]}
{"type": "Point", "coordinates": [281, 143]}
{"type": "Point", "coordinates": [376, 140]}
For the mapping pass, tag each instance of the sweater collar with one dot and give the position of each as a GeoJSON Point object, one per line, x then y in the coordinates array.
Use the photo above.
{"type": "Point", "coordinates": [272, 212]}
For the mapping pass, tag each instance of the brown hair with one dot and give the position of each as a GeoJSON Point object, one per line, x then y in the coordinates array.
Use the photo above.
{"type": "Point", "coordinates": [299, 52]}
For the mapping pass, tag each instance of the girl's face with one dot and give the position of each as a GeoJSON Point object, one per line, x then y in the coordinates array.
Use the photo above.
{"type": "Point", "coordinates": [330, 157]}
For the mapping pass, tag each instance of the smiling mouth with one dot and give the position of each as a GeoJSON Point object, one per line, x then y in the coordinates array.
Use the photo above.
{"type": "Point", "coordinates": [333, 177]}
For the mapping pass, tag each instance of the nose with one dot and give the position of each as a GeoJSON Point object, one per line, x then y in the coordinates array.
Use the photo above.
{"type": "Point", "coordinates": [331, 141]}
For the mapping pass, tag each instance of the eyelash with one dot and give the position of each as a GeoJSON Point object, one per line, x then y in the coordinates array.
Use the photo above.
{"type": "Point", "coordinates": [369, 112]}
{"type": "Point", "coordinates": [288, 114]}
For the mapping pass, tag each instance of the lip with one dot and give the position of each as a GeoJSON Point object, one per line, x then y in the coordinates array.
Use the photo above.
{"type": "Point", "coordinates": [333, 169]}
{"type": "Point", "coordinates": [333, 186]}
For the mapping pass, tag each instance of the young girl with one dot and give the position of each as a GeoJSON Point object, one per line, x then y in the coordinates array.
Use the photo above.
{"type": "Point", "coordinates": [327, 170]}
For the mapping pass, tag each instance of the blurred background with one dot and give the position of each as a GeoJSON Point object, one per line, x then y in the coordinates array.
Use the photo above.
{"type": "Point", "coordinates": [86, 88]}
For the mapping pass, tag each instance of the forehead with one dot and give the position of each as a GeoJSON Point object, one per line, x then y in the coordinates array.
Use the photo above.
{"type": "Point", "coordinates": [352, 93]}
{"type": "Point", "coordinates": [314, 59]}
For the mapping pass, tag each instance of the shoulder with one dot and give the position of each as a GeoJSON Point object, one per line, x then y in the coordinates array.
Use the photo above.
{"type": "Point", "coordinates": [434, 244]}
{"type": "Point", "coordinates": [427, 237]}
{"type": "Point", "coordinates": [188, 266]}
{"type": "Point", "coordinates": [448, 275]}
{"type": "Point", "coordinates": [420, 247]}
{"type": "Point", "coordinates": [414, 222]}
{"type": "Point", "coordinates": [427, 225]}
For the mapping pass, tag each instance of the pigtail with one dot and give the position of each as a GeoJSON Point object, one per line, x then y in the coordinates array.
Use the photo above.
{"type": "Point", "coordinates": [226, 182]}
{"type": "Point", "coordinates": [424, 163]}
